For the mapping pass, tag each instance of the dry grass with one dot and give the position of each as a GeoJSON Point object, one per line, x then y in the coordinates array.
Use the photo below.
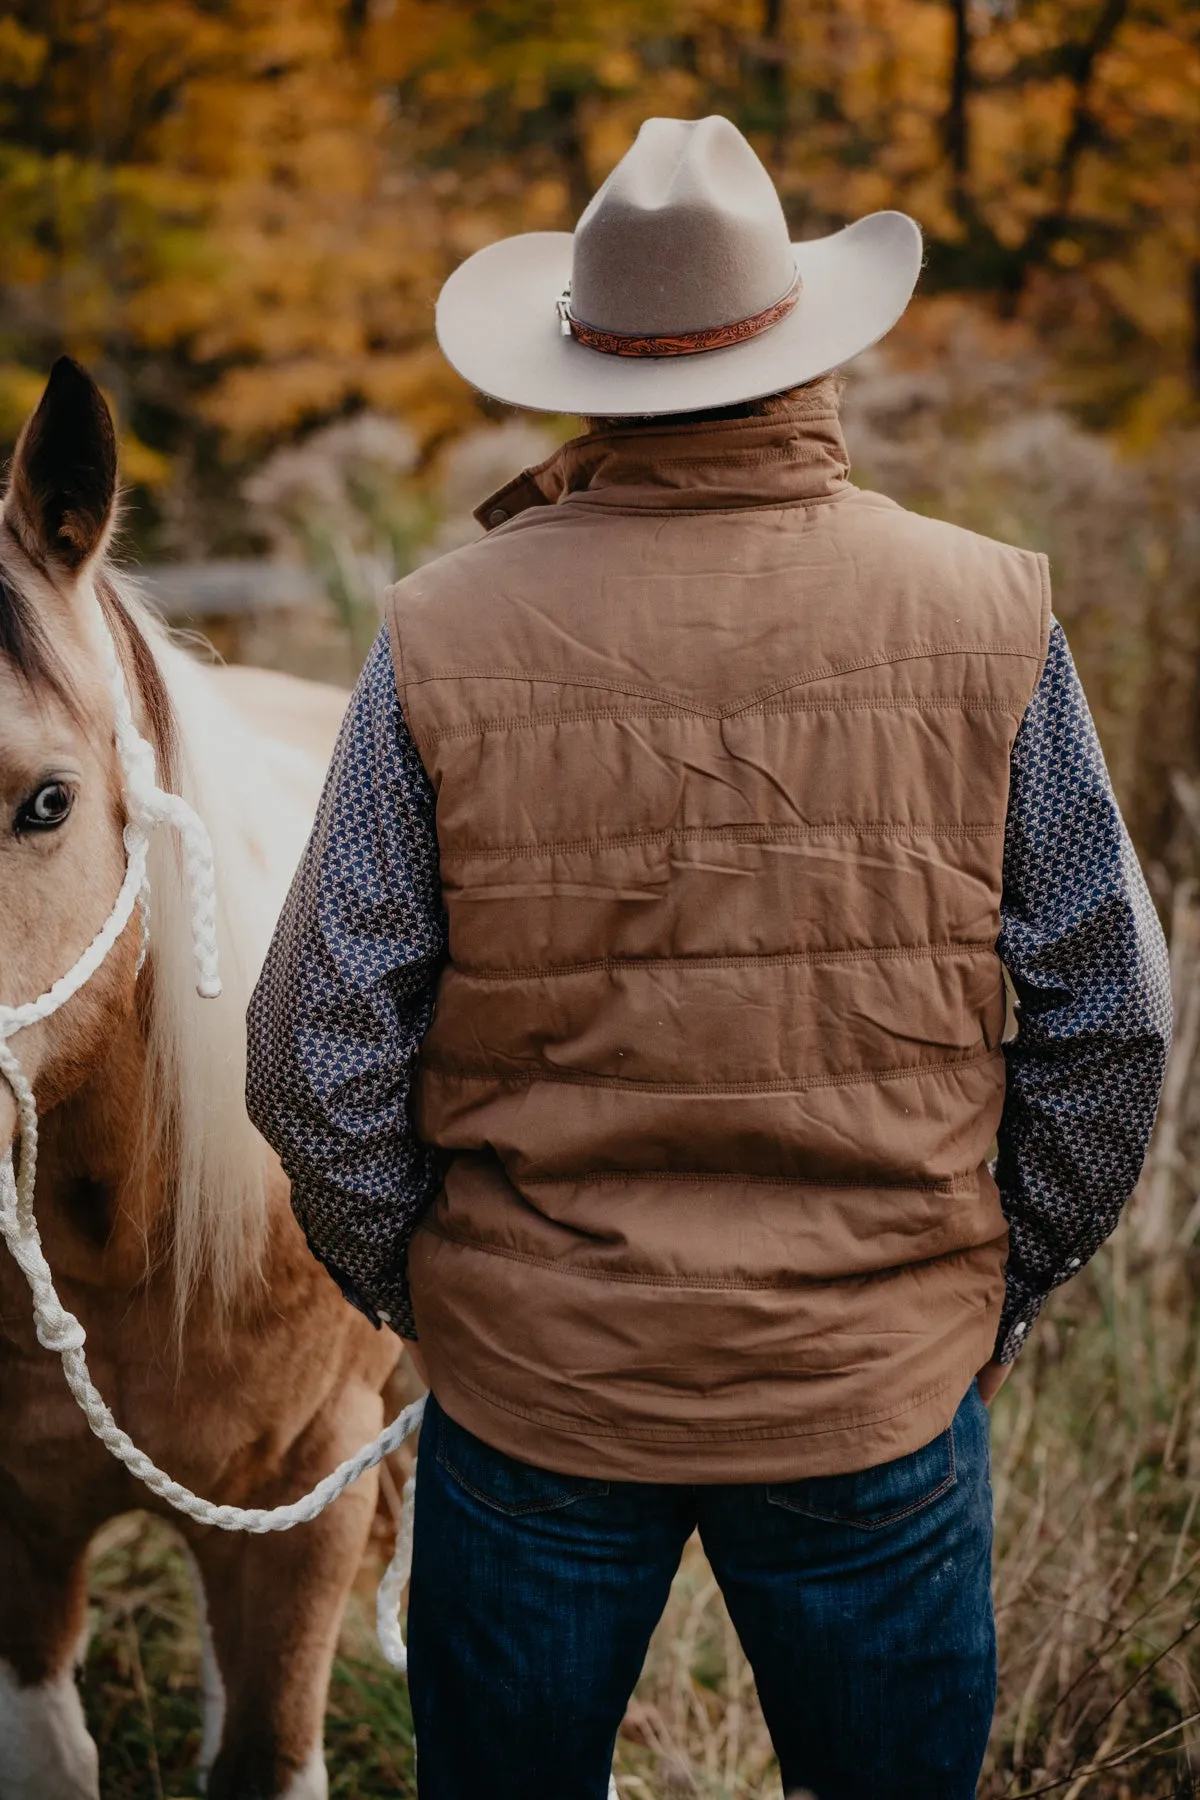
{"type": "Point", "coordinates": [141, 1680]}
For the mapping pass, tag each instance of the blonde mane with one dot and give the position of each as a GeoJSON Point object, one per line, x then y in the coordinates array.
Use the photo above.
{"type": "Point", "coordinates": [257, 796]}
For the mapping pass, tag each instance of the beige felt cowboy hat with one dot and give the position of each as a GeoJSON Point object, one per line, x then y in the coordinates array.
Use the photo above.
{"type": "Point", "coordinates": [678, 290]}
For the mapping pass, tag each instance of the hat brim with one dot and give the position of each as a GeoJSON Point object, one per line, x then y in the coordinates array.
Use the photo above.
{"type": "Point", "coordinates": [497, 325]}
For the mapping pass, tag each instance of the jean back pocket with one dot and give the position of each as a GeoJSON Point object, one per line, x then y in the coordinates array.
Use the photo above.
{"type": "Point", "coordinates": [501, 1481]}
{"type": "Point", "coordinates": [871, 1499]}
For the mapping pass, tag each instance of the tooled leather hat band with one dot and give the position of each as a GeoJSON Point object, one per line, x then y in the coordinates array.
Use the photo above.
{"type": "Point", "coordinates": [679, 343]}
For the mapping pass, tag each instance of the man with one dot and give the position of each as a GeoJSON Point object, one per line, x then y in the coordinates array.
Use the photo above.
{"type": "Point", "coordinates": [709, 796]}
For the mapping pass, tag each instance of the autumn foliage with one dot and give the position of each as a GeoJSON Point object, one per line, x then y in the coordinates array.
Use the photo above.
{"type": "Point", "coordinates": [240, 212]}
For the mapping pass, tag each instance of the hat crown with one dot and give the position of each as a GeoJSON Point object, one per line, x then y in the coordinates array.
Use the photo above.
{"type": "Point", "coordinates": [687, 234]}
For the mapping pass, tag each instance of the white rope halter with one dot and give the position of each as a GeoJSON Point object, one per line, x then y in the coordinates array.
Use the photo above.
{"type": "Point", "coordinates": [148, 805]}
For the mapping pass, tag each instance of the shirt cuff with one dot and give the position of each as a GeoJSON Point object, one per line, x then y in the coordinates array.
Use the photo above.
{"type": "Point", "coordinates": [1016, 1322]}
{"type": "Point", "coordinates": [393, 1309]}
{"type": "Point", "coordinates": [392, 1306]}
{"type": "Point", "coordinates": [396, 1310]}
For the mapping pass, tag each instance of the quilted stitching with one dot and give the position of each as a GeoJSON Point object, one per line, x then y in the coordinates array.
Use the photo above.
{"type": "Point", "coordinates": [346, 996]}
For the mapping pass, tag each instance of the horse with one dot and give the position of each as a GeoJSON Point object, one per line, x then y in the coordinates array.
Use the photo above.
{"type": "Point", "coordinates": [224, 1348]}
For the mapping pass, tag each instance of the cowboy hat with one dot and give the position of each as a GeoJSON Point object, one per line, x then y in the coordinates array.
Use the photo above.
{"type": "Point", "coordinates": [677, 291]}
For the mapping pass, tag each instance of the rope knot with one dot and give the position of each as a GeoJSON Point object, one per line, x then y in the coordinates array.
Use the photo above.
{"type": "Point", "coordinates": [148, 807]}
{"type": "Point", "coordinates": [61, 1333]}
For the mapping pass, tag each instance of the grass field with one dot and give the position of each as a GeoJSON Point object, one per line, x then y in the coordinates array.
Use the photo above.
{"type": "Point", "coordinates": [1096, 1468]}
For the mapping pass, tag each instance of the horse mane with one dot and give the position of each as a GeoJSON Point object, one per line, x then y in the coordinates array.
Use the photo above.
{"type": "Point", "coordinates": [195, 1125]}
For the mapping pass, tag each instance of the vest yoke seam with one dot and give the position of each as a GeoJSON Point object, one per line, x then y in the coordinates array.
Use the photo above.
{"type": "Point", "coordinates": [634, 1084]}
{"type": "Point", "coordinates": [736, 834]}
{"type": "Point", "coordinates": [692, 1433]}
{"type": "Point", "coordinates": [917, 651]}
{"type": "Point", "coordinates": [564, 678]}
{"type": "Point", "coordinates": [751, 960]}
{"type": "Point", "coordinates": [664, 710]}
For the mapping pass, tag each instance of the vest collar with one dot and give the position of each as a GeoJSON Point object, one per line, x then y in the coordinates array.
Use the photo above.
{"type": "Point", "coordinates": [795, 455]}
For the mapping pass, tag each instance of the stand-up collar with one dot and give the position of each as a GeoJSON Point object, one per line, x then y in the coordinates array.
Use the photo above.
{"type": "Point", "coordinates": [796, 454]}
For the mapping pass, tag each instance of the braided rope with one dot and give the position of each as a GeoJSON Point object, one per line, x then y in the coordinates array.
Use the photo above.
{"type": "Point", "coordinates": [58, 1330]}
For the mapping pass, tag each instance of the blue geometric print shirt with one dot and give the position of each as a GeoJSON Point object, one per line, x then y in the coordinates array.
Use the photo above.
{"type": "Point", "coordinates": [346, 995]}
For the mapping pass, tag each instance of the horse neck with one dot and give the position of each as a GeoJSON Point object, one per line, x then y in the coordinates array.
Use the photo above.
{"type": "Point", "coordinates": [101, 1191]}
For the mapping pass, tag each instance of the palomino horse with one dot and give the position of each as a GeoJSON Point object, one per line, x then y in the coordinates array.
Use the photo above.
{"type": "Point", "coordinates": [224, 1349]}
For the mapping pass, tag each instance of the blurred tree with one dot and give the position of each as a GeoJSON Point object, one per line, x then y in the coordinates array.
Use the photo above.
{"type": "Point", "coordinates": [197, 200]}
{"type": "Point", "coordinates": [1047, 149]}
{"type": "Point", "coordinates": [240, 212]}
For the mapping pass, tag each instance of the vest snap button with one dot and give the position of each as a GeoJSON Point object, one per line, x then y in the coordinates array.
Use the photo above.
{"type": "Point", "coordinates": [497, 516]}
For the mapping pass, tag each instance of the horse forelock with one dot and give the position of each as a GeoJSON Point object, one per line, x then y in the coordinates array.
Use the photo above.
{"type": "Point", "coordinates": [29, 650]}
{"type": "Point", "coordinates": [26, 646]}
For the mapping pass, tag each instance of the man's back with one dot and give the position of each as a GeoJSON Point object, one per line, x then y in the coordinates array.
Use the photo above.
{"type": "Point", "coordinates": [722, 767]}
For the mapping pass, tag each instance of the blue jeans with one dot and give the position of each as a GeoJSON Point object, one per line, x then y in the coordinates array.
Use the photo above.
{"type": "Point", "coordinates": [862, 1601]}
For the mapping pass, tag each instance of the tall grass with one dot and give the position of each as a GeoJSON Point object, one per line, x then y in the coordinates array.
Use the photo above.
{"type": "Point", "coordinates": [141, 1680]}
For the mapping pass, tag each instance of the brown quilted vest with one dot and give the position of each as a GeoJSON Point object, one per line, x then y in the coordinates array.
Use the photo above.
{"type": "Point", "coordinates": [721, 749]}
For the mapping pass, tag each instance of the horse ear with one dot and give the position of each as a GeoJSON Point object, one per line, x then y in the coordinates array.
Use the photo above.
{"type": "Point", "coordinates": [64, 473]}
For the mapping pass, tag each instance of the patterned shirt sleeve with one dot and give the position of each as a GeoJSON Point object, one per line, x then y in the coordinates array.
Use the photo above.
{"type": "Point", "coordinates": [344, 999]}
{"type": "Point", "coordinates": [1082, 943]}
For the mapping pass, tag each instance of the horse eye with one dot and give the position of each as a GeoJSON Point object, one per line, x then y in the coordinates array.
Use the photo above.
{"type": "Point", "coordinates": [46, 808]}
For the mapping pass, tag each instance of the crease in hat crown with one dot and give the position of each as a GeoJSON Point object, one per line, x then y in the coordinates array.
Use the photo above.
{"type": "Point", "coordinates": [686, 234]}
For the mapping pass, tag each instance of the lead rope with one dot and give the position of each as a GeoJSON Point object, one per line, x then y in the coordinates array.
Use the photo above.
{"type": "Point", "coordinates": [147, 806]}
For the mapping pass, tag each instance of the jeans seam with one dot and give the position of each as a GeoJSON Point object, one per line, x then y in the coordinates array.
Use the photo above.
{"type": "Point", "coordinates": [892, 1518]}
